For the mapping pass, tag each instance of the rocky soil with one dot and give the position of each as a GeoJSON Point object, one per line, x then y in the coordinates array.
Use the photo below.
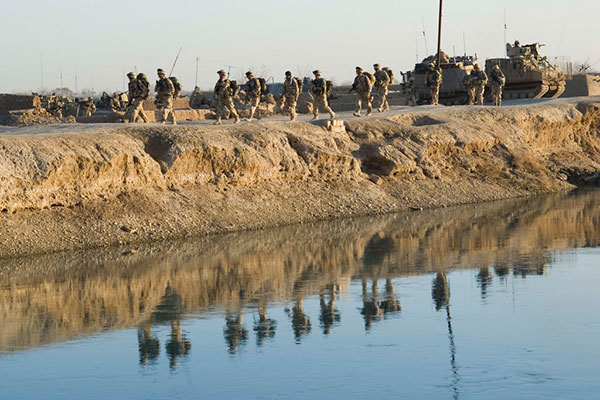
{"type": "Point", "coordinates": [70, 186]}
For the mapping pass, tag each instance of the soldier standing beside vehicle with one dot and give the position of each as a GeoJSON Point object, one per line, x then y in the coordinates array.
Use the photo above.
{"type": "Point", "coordinates": [362, 85]}
{"type": "Point", "coordinates": [382, 82]}
{"type": "Point", "coordinates": [479, 81]}
{"type": "Point", "coordinates": [291, 91]}
{"type": "Point", "coordinates": [138, 92]}
{"type": "Point", "coordinates": [164, 96]}
{"type": "Point", "coordinates": [252, 94]}
{"type": "Point", "coordinates": [318, 89]}
{"type": "Point", "coordinates": [433, 80]}
{"type": "Point", "coordinates": [498, 81]}
{"type": "Point", "coordinates": [224, 95]}
{"type": "Point", "coordinates": [470, 88]}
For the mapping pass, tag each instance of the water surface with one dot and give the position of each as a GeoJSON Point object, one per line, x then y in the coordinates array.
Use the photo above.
{"type": "Point", "coordinates": [490, 301]}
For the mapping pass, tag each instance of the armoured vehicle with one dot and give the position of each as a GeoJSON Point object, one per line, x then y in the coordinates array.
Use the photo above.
{"type": "Point", "coordinates": [454, 71]}
{"type": "Point", "coordinates": [529, 75]}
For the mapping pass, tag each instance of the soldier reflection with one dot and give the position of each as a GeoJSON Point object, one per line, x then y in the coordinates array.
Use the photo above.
{"type": "Point", "coordinates": [149, 347]}
{"type": "Point", "coordinates": [501, 271]}
{"type": "Point", "coordinates": [300, 321]}
{"type": "Point", "coordinates": [484, 279]}
{"type": "Point", "coordinates": [370, 310]}
{"type": "Point", "coordinates": [264, 327]}
{"type": "Point", "coordinates": [329, 316]}
{"type": "Point", "coordinates": [234, 332]}
{"type": "Point", "coordinates": [171, 309]}
{"type": "Point", "coordinates": [177, 346]}
{"type": "Point", "coordinates": [391, 305]}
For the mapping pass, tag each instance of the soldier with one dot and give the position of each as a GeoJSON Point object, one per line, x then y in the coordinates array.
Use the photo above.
{"type": "Point", "coordinates": [252, 94]}
{"type": "Point", "coordinates": [318, 89]}
{"type": "Point", "coordinates": [409, 89]}
{"type": "Point", "coordinates": [197, 98]}
{"type": "Point", "coordinates": [164, 96]}
{"type": "Point", "coordinates": [291, 91]}
{"type": "Point", "coordinates": [470, 87]}
{"type": "Point", "coordinates": [433, 80]}
{"type": "Point", "coordinates": [382, 81]}
{"type": "Point", "coordinates": [85, 107]}
{"type": "Point", "coordinates": [55, 106]}
{"type": "Point", "coordinates": [479, 81]}
{"type": "Point", "coordinates": [138, 92]}
{"type": "Point", "coordinates": [115, 102]}
{"type": "Point", "coordinates": [224, 95]}
{"type": "Point", "coordinates": [362, 85]}
{"type": "Point", "coordinates": [498, 81]}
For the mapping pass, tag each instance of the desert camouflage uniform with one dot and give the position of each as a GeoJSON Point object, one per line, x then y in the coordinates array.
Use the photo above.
{"type": "Point", "coordinates": [290, 96]}
{"type": "Point", "coordinates": [164, 95]}
{"type": "Point", "coordinates": [318, 90]}
{"type": "Point", "coordinates": [382, 82]}
{"type": "Point", "coordinates": [498, 81]}
{"type": "Point", "coordinates": [363, 87]}
{"type": "Point", "coordinates": [253, 95]}
{"type": "Point", "coordinates": [137, 93]}
{"type": "Point", "coordinates": [224, 95]}
{"type": "Point", "coordinates": [85, 107]}
{"type": "Point", "coordinates": [470, 87]}
{"type": "Point", "coordinates": [433, 80]}
{"type": "Point", "coordinates": [479, 80]}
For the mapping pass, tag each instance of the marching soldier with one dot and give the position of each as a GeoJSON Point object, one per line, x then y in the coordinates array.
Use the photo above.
{"type": "Point", "coordinates": [479, 80]}
{"type": "Point", "coordinates": [382, 82]}
{"type": "Point", "coordinates": [433, 80]}
{"type": "Point", "coordinates": [224, 95]}
{"type": "Point", "coordinates": [291, 91]}
{"type": "Point", "coordinates": [164, 96]}
{"type": "Point", "coordinates": [138, 92]}
{"type": "Point", "coordinates": [498, 82]}
{"type": "Point", "coordinates": [318, 90]}
{"type": "Point", "coordinates": [252, 94]}
{"type": "Point", "coordinates": [362, 85]}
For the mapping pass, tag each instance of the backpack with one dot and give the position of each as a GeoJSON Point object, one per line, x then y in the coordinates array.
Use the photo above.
{"type": "Point", "coordinates": [329, 88]}
{"type": "Point", "coordinates": [391, 75]}
{"type": "Point", "coordinates": [144, 85]}
{"type": "Point", "coordinates": [370, 76]}
{"type": "Point", "coordinates": [300, 84]}
{"type": "Point", "coordinates": [176, 85]}
{"type": "Point", "coordinates": [264, 89]}
{"type": "Point", "coordinates": [234, 88]}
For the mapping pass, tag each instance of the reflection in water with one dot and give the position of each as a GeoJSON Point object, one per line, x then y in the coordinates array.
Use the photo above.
{"type": "Point", "coordinates": [160, 285]}
{"type": "Point", "coordinates": [330, 316]}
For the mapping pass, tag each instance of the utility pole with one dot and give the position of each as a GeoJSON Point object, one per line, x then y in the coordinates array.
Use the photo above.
{"type": "Point", "coordinates": [439, 54]}
{"type": "Point", "coordinates": [505, 28]}
{"type": "Point", "coordinates": [42, 72]}
{"type": "Point", "coordinates": [417, 44]}
{"type": "Point", "coordinates": [197, 60]}
{"type": "Point", "coordinates": [465, 43]}
{"type": "Point", "coordinates": [61, 81]}
{"type": "Point", "coordinates": [76, 91]}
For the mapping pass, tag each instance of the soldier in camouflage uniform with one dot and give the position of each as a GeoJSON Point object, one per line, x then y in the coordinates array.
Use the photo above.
{"type": "Point", "coordinates": [433, 80]}
{"type": "Point", "coordinates": [252, 94]}
{"type": "Point", "coordinates": [382, 82]}
{"type": "Point", "coordinates": [318, 90]}
{"type": "Point", "coordinates": [479, 81]}
{"type": "Point", "coordinates": [291, 91]}
{"type": "Point", "coordinates": [470, 87]}
{"type": "Point", "coordinates": [138, 92]}
{"type": "Point", "coordinates": [164, 96]}
{"type": "Point", "coordinates": [498, 81]}
{"type": "Point", "coordinates": [362, 85]}
{"type": "Point", "coordinates": [85, 107]}
{"type": "Point", "coordinates": [224, 95]}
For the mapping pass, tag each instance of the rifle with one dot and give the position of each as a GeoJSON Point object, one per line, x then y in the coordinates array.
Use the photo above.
{"type": "Point", "coordinates": [353, 88]}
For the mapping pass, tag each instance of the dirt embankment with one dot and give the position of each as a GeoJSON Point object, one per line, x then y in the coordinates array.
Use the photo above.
{"type": "Point", "coordinates": [73, 187]}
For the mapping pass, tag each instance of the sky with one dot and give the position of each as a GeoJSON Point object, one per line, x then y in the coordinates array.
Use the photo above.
{"type": "Point", "coordinates": [95, 43]}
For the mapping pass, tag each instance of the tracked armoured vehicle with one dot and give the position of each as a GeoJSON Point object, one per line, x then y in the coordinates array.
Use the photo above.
{"type": "Point", "coordinates": [454, 71]}
{"type": "Point", "coordinates": [529, 75]}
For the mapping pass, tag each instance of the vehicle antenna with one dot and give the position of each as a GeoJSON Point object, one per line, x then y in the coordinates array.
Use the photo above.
{"type": "Point", "coordinates": [416, 44]}
{"type": "Point", "coordinates": [505, 28]}
{"type": "Point", "coordinates": [465, 43]}
{"type": "Point", "coordinates": [197, 59]}
{"type": "Point", "coordinates": [561, 39]}
{"type": "Point", "coordinates": [425, 37]}
{"type": "Point", "coordinates": [175, 62]}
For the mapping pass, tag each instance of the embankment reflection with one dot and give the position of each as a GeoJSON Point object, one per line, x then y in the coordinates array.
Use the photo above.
{"type": "Point", "coordinates": [58, 297]}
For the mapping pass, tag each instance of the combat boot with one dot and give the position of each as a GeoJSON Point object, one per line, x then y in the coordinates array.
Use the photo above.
{"type": "Point", "coordinates": [356, 114]}
{"type": "Point", "coordinates": [332, 115]}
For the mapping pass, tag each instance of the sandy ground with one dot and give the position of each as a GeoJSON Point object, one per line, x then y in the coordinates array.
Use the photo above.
{"type": "Point", "coordinates": [82, 185]}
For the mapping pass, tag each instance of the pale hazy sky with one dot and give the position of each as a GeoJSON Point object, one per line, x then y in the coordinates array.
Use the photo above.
{"type": "Point", "coordinates": [100, 39]}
